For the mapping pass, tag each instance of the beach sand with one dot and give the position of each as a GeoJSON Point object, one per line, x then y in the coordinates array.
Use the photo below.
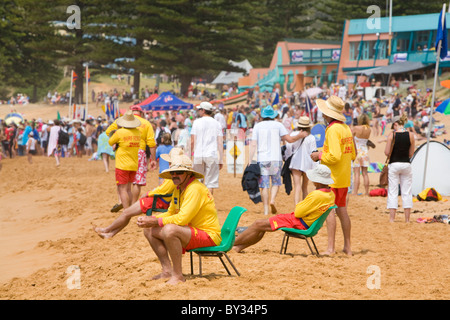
{"type": "Point", "coordinates": [46, 217]}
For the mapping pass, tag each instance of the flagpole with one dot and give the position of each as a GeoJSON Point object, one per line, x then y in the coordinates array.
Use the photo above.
{"type": "Point", "coordinates": [430, 123]}
{"type": "Point", "coordinates": [87, 92]}
{"type": "Point", "coordinates": [70, 97]}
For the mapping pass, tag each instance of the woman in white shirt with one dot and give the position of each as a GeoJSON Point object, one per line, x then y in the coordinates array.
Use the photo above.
{"type": "Point", "coordinates": [301, 160]}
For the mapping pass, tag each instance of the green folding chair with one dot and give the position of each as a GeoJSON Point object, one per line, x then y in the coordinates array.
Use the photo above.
{"type": "Point", "coordinates": [155, 198]}
{"type": "Point", "coordinates": [305, 234]}
{"type": "Point", "coordinates": [228, 234]}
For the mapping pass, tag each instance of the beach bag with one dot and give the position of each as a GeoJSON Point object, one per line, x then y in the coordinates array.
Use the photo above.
{"type": "Point", "coordinates": [63, 137]}
{"type": "Point", "coordinates": [82, 139]}
{"type": "Point", "coordinates": [380, 192]}
{"type": "Point", "coordinates": [384, 175]}
{"type": "Point", "coordinates": [429, 194]}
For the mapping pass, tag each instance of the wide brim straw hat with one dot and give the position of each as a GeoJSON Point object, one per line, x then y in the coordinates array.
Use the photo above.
{"type": "Point", "coordinates": [128, 120]}
{"type": "Point", "coordinates": [320, 174]}
{"type": "Point", "coordinates": [269, 112]}
{"type": "Point", "coordinates": [332, 107]}
{"type": "Point", "coordinates": [173, 152]}
{"type": "Point", "coordinates": [303, 122]}
{"type": "Point", "coordinates": [180, 163]}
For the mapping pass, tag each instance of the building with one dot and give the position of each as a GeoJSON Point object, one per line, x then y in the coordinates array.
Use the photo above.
{"type": "Point", "coordinates": [296, 64]}
{"type": "Point", "coordinates": [366, 45]}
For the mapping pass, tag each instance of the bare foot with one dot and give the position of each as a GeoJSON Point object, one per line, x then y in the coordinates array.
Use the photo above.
{"type": "Point", "coordinates": [162, 275]}
{"type": "Point", "coordinates": [175, 280]}
{"type": "Point", "coordinates": [328, 253]}
{"type": "Point", "coordinates": [347, 252]}
{"type": "Point", "coordinates": [101, 232]}
{"type": "Point", "coordinates": [273, 208]}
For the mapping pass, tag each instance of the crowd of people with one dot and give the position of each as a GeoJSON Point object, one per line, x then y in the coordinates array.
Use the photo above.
{"type": "Point", "coordinates": [188, 148]}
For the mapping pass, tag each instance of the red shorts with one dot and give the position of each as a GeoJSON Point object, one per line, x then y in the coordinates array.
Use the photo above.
{"type": "Point", "coordinates": [287, 220]}
{"type": "Point", "coordinates": [147, 203]}
{"type": "Point", "coordinates": [340, 196]}
{"type": "Point", "coordinates": [124, 176]}
{"type": "Point", "coordinates": [199, 239]}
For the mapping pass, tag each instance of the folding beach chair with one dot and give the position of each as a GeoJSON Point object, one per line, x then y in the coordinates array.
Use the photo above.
{"type": "Point", "coordinates": [305, 234]}
{"type": "Point", "coordinates": [228, 234]}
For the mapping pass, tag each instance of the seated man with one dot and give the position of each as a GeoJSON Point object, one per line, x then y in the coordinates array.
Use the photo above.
{"type": "Point", "coordinates": [190, 222]}
{"type": "Point", "coordinates": [143, 204]}
{"type": "Point", "coordinates": [306, 211]}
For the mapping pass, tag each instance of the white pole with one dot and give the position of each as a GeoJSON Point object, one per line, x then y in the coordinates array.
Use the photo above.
{"type": "Point", "coordinates": [430, 123]}
{"type": "Point", "coordinates": [390, 27]}
{"type": "Point", "coordinates": [70, 97]}
{"type": "Point", "coordinates": [87, 92]}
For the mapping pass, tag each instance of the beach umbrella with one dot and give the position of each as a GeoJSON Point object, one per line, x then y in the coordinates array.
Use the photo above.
{"type": "Point", "coordinates": [444, 107]}
{"type": "Point", "coordinates": [13, 117]}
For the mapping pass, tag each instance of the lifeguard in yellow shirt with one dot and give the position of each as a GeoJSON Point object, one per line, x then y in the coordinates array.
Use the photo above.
{"type": "Point", "coordinates": [338, 153]}
{"type": "Point", "coordinates": [127, 139]}
{"type": "Point", "coordinates": [190, 222]}
{"type": "Point", "coordinates": [306, 211]}
{"type": "Point", "coordinates": [146, 153]}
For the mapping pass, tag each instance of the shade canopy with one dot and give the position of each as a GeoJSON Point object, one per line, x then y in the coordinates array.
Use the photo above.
{"type": "Point", "coordinates": [398, 67]}
{"type": "Point", "coordinates": [166, 102]}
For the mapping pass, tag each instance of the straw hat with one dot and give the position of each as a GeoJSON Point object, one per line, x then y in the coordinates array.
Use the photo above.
{"type": "Point", "coordinates": [332, 107]}
{"type": "Point", "coordinates": [180, 163]}
{"type": "Point", "coordinates": [173, 152]}
{"type": "Point", "coordinates": [128, 120]}
{"type": "Point", "coordinates": [303, 122]}
{"type": "Point", "coordinates": [320, 174]}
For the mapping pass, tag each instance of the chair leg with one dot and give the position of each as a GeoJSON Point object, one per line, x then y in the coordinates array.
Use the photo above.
{"type": "Point", "coordinates": [284, 244]}
{"type": "Point", "coordinates": [192, 264]}
{"type": "Point", "coordinates": [223, 263]}
{"type": "Point", "coordinates": [237, 272]}
{"type": "Point", "coordinates": [317, 251]}
{"type": "Point", "coordinates": [200, 264]}
{"type": "Point", "coordinates": [312, 252]}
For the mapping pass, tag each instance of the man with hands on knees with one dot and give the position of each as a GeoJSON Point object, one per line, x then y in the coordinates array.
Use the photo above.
{"type": "Point", "coordinates": [190, 222]}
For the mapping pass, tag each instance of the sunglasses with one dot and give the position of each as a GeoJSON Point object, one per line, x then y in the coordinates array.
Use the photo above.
{"type": "Point", "coordinates": [178, 173]}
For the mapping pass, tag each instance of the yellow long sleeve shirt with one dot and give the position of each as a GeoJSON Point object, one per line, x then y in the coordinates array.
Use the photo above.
{"type": "Point", "coordinates": [338, 153]}
{"type": "Point", "coordinates": [167, 187]}
{"type": "Point", "coordinates": [314, 205]}
{"type": "Point", "coordinates": [146, 130]}
{"type": "Point", "coordinates": [193, 207]}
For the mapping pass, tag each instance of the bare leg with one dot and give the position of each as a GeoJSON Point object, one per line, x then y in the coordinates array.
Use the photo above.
{"type": "Point", "coordinates": [298, 186]}
{"type": "Point", "coordinates": [124, 191]}
{"type": "Point", "coordinates": [120, 222]}
{"type": "Point", "coordinates": [252, 234]}
{"type": "Point", "coordinates": [135, 192]}
{"type": "Point", "coordinates": [356, 176]}
{"type": "Point", "coordinates": [331, 230]}
{"type": "Point", "coordinates": [175, 238]}
{"type": "Point", "coordinates": [407, 214]}
{"type": "Point", "coordinates": [265, 200]}
{"type": "Point", "coordinates": [366, 179]}
{"type": "Point", "coordinates": [154, 238]}
{"type": "Point", "coordinates": [273, 195]}
{"type": "Point", "coordinates": [105, 158]}
{"type": "Point", "coordinates": [392, 213]}
{"type": "Point", "coordinates": [346, 228]}
{"type": "Point", "coordinates": [305, 181]}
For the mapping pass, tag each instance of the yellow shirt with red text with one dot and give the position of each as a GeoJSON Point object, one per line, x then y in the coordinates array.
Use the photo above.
{"type": "Point", "coordinates": [338, 153]}
{"type": "Point", "coordinates": [167, 187]}
{"type": "Point", "coordinates": [146, 129]}
{"type": "Point", "coordinates": [194, 207]}
{"type": "Point", "coordinates": [127, 152]}
{"type": "Point", "coordinates": [314, 205]}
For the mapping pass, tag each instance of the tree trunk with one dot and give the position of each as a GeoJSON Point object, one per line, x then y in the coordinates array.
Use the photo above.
{"type": "Point", "coordinates": [185, 83]}
{"type": "Point", "coordinates": [136, 83]}
{"type": "Point", "coordinates": [34, 98]}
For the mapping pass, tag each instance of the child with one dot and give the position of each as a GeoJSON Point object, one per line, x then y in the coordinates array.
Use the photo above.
{"type": "Point", "coordinates": [306, 212]}
{"type": "Point", "coordinates": [31, 147]}
{"type": "Point", "coordinates": [163, 148]}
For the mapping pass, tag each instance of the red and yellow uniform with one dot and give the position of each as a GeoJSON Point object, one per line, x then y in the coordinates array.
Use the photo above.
{"type": "Point", "coordinates": [146, 130]}
{"type": "Point", "coordinates": [338, 153]}
{"type": "Point", "coordinates": [306, 211]}
{"type": "Point", "coordinates": [193, 207]}
{"type": "Point", "coordinates": [167, 187]}
{"type": "Point", "coordinates": [128, 141]}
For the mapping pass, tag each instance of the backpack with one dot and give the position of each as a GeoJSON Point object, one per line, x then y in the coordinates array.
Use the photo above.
{"type": "Point", "coordinates": [82, 139]}
{"type": "Point", "coordinates": [63, 137]}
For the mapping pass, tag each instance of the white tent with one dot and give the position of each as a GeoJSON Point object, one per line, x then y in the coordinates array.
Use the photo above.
{"type": "Point", "coordinates": [226, 77]}
{"type": "Point", "coordinates": [438, 168]}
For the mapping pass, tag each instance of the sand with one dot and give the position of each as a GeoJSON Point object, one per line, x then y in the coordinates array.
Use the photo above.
{"type": "Point", "coordinates": [46, 217]}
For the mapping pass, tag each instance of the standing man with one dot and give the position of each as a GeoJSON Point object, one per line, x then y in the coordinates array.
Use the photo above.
{"type": "Point", "coordinates": [147, 150]}
{"type": "Point", "coordinates": [190, 222]}
{"type": "Point", "coordinates": [338, 152]}
{"type": "Point", "coordinates": [207, 143]}
{"type": "Point", "coordinates": [127, 141]}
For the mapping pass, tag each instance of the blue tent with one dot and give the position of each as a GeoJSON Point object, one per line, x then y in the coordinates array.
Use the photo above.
{"type": "Point", "coordinates": [167, 101]}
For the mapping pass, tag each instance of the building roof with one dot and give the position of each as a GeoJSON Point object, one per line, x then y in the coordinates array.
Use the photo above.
{"type": "Point", "coordinates": [421, 22]}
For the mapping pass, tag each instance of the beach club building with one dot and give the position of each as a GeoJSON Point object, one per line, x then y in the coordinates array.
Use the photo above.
{"type": "Point", "coordinates": [295, 64]}
{"type": "Point", "coordinates": [365, 46]}
{"type": "Point", "coordinates": [363, 50]}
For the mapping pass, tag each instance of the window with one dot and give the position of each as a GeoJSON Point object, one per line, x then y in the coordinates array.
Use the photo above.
{"type": "Point", "coordinates": [354, 50]}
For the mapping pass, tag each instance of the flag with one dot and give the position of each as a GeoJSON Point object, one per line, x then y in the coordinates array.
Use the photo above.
{"type": "Point", "coordinates": [74, 76]}
{"type": "Point", "coordinates": [88, 76]}
{"type": "Point", "coordinates": [308, 105]}
{"type": "Point", "coordinates": [74, 111]}
{"type": "Point", "coordinates": [276, 99]}
{"type": "Point", "coordinates": [108, 113]}
{"type": "Point", "coordinates": [58, 116]}
{"type": "Point", "coordinates": [442, 35]}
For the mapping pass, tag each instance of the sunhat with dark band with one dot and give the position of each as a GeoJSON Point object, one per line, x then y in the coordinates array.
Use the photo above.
{"type": "Point", "coordinates": [303, 122]}
{"type": "Point", "coordinates": [332, 107]}
{"type": "Point", "coordinates": [180, 163]}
